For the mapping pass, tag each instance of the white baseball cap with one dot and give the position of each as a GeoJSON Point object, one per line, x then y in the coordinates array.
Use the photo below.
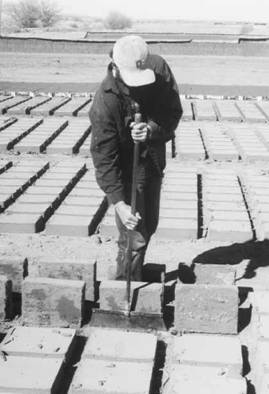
{"type": "Point", "coordinates": [129, 54]}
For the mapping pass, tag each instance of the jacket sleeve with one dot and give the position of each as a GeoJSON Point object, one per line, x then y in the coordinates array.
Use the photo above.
{"type": "Point", "coordinates": [105, 150]}
{"type": "Point", "coordinates": [170, 104]}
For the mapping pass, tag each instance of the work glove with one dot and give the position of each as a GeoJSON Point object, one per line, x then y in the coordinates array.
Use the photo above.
{"type": "Point", "coordinates": [124, 211]}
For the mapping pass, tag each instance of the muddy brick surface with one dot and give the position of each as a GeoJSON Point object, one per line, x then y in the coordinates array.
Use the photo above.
{"type": "Point", "coordinates": [214, 274]}
{"type": "Point", "coordinates": [206, 309]}
{"type": "Point", "coordinates": [31, 375]}
{"type": "Point", "coordinates": [52, 302]}
{"type": "Point", "coordinates": [108, 377]}
{"type": "Point", "coordinates": [113, 344]}
{"type": "Point", "coordinates": [5, 298]}
{"type": "Point", "coordinates": [15, 269]}
{"type": "Point", "coordinates": [38, 342]}
{"type": "Point", "coordinates": [146, 297]}
{"type": "Point", "coordinates": [84, 270]}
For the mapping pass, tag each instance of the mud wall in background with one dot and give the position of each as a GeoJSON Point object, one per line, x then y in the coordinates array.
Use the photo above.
{"type": "Point", "coordinates": [216, 47]}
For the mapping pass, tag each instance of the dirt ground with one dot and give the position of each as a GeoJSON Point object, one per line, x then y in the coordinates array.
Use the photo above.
{"type": "Point", "coordinates": [199, 70]}
{"type": "Point", "coordinates": [55, 68]}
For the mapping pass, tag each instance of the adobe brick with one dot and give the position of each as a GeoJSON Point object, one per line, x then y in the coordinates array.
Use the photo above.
{"type": "Point", "coordinates": [52, 302]}
{"type": "Point", "coordinates": [69, 225]}
{"type": "Point", "coordinates": [146, 296]}
{"type": "Point", "coordinates": [15, 269]}
{"type": "Point", "coordinates": [179, 187]}
{"type": "Point", "coordinates": [31, 375]}
{"type": "Point", "coordinates": [263, 328]}
{"type": "Point", "coordinates": [241, 216]}
{"type": "Point", "coordinates": [232, 189]}
{"type": "Point", "coordinates": [209, 351]}
{"type": "Point", "coordinates": [84, 201]}
{"type": "Point", "coordinates": [27, 198]}
{"type": "Point", "coordinates": [260, 301]}
{"type": "Point", "coordinates": [264, 384]}
{"type": "Point", "coordinates": [226, 206]}
{"type": "Point", "coordinates": [214, 274]}
{"type": "Point", "coordinates": [185, 379]}
{"type": "Point", "coordinates": [108, 227]}
{"type": "Point", "coordinates": [67, 269]}
{"type": "Point", "coordinates": [5, 298]}
{"type": "Point", "coordinates": [28, 208]}
{"type": "Point", "coordinates": [111, 377]}
{"type": "Point", "coordinates": [232, 197]}
{"type": "Point", "coordinates": [177, 204]}
{"type": "Point", "coordinates": [86, 192]}
{"type": "Point", "coordinates": [177, 229]}
{"type": "Point", "coordinates": [21, 223]}
{"type": "Point", "coordinates": [149, 298]}
{"type": "Point", "coordinates": [179, 213]}
{"type": "Point", "coordinates": [206, 308]}
{"type": "Point", "coordinates": [260, 282]}
{"type": "Point", "coordinates": [261, 367]}
{"type": "Point", "coordinates": [39, 342]}
{"type": "Point", "coordinates": [180, 196]}
{"type": "Point", "coordinates": [48, 191]}
{"type": "Point", "coordinates": [112, 344]}
{"type": "Point", "coordinates": [76, 210]}
{"type": "Point", "coordinates": [229, 231]}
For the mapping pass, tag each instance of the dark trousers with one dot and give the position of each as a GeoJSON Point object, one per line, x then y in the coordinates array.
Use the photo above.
{"type": "Point", "coordinates": [148, 206]}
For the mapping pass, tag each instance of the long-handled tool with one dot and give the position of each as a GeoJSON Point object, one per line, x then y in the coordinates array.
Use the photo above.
{"type": "Point", "coordinates": [128, 257]}
{"type": "Point", "coordinates": [128, 319]}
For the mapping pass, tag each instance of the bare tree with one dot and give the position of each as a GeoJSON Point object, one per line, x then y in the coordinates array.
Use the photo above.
{"type": "Point", "coordinates": [32, 13]}
{"type": "Point", "coordinates": [24, 13]}
{"type": "Point", "coordinates": [49, 13]}
{"type": "Point", "coordinates": [117, 21]}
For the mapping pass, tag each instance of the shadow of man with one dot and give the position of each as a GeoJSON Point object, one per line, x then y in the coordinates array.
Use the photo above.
{"type": "Point", "coordinates": [257, 252]}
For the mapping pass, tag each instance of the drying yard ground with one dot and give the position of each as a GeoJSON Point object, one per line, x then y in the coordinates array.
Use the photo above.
{"type": "Point", "coordinates": [58, 238]}
{"type": "Point", "coordinates": [82, 73]}
{"type": "Point", "coordinates": [16, 67]}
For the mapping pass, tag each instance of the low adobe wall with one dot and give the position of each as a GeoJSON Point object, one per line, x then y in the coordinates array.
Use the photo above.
{"type": "Point", "coordinates": [216, 47]}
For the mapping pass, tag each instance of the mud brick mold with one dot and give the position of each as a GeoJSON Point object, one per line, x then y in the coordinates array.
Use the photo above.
{"type": "Point", "coordinates": [15, 269]}
{"type": "Point", "coordinates": [112, 344]}
{"type": "Point", "coordinates": [214, 274]}
{"type": "Point", "coordinates": [38, 342]}
{"type": "Point", "coordinates": [5, 298]}
{"type": "Point", "coordinates": [111, 377]}
{"type": "Point", "coordinates": [27, 375]}
{"type": "Point", "coordinates": [146, 297]}
{"type": "Point", "coordinates": [206, 309]}
{"type": "Point", "coordinates": [52, 302]}
{"type": "Point", "coordinates": [206, 350]}
{"type": "Point", "coordinates": [185, 379]}
{"type": "Point", "coordinates": [67, 269]}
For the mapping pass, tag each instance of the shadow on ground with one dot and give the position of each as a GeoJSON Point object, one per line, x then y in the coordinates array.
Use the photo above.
{"type": "Point", "coordinates": [257, 252]}
{"type": "Point", "coordinates": [254, 253]}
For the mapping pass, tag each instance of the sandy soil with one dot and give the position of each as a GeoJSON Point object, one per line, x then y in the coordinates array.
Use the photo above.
{"type": "Point", "coordinates": [55, 68]}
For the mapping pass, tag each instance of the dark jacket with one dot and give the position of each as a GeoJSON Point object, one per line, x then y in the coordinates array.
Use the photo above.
{"type": "Point", "coordinates": [111, 114]}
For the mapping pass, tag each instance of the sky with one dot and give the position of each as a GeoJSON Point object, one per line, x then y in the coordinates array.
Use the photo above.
{"type": "Point", "coordinates": [250, 10]}
{"type": "Point", "coordinates": [229, 10]}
